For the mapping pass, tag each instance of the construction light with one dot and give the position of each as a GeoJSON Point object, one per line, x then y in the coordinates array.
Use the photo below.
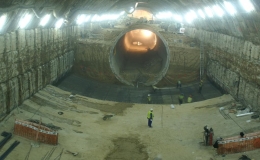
{"type": "Point", "coordinates": [208, 12]}
{"type": "Point", "coordinates": [45, 20]}
{"type": "Point", "coordinates": [24, 20]}
{"type": "Point", "coordinates": [189, 17]}
{"type": "Point", "coordinates": [147, 33]}
{"type": "Point", "coordinates": [2, 21]}
{"type": "Point", "coordinates": [87, 18]}
{"type": "Point", "coordinates": [177, 17]}
{"type": "Point", "coordinates": [218, 10]}
{"type": "Point", "coordinates": [247, 5]}
{"type": "Point", "coordinates": [122, 13]}
{"type": "Point", "coordinates": [94, 18]}
{"type": "Point", "coordinates": [193, 14]}
{"type": "Point", "coordinates": [131, 10]}
{"type": "Point", "coordinates": [81, 19]}
{"type": "Point", "coordinates": [163, 15]}
{"type": "Point", "coordinates": [202, 15]}
{"type": "Point", "coordinates": [229, 8]}
{"type": "Point", "coordinates": [59, 23]}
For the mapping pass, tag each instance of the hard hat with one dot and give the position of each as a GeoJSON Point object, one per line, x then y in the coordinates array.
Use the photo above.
{"type": "Point", "coordinates": [151, 109]}
{"type": "Point", "coordinates": [148, 94]}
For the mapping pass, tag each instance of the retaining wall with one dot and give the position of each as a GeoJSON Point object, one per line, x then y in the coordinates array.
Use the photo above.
{"type": "Point", "coordinates": [233, 63]}
{"type": "Point", "coordinates": [31, 59]}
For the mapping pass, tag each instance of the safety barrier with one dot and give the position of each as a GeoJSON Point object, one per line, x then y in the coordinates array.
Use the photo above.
{"type": "Point", "coordinates": [35, 132]}
{"type": "Point", "coordinates": [237, 144]}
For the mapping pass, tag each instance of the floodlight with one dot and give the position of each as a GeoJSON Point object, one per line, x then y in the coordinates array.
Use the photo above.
{"type": "Point", "coordinates": [218, 10]}
{"type": "Point", "coordinates": [208, 12]}
{"type": "Point", "coordinates": [147, 33]}
{"type": "Point", "coordinates": [80, 19]}
{"type": "Point", "coordinates": [131, 10]}
{"type": "Point", "coordinates": [2, 21]}
{"type": "Point", "coordinates": [45, 20]}
{"type": "Point", "coordinates": [59, 23]}
{"type": "Point", "coordinates": [25, 20]}
{"type": "Point", "coordinates": [122, 13]}
{"type": "Point", "coordinates": [87, 18]}
{"type": "Point", "coordinates": [177, 17]}
{"type": "Point", "coordinates": [202, 15]}
{"type": "Point", "coordinates": [94, 18]}
{"type": "Point", "coordinates": [189, 17]}
{"type": "Point", "coordinates": [247, 5]}
{"type": "Point", "coordinates": [230, 8]}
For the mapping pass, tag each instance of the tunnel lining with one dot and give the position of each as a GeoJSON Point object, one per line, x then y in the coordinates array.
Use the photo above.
{"type": "Point", "coordinates": [134, 27]}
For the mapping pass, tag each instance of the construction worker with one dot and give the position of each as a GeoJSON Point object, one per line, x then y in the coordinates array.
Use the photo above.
{"type": "Point", "coordinates": [150, 116]}
{"type": "Point", "coordinates": [189, 100]}
{"type": "Point", "coordinates": [200, 86]}
{"type": "Point", "coordinates": [149, 99]}
{"type": "Point", "coordinates": [179, 84]}
{"type": "Point", "coordinates": [181, 96]}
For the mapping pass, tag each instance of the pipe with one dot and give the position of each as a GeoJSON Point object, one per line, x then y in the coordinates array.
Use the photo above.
{"type": "Point", "coordinates": [244, 114]}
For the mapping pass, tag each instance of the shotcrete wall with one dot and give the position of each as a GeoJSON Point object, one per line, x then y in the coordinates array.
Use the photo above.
{"type": "Point", "coordinates": [31, 59]}
{"type": "Point", "coordinates": [233, 63]}
{"type": "Point", "coordinates": [91, 61]}
{"type": "Point", "coordinates": [184, 59]}
{"type": "Point", "coordinates": [92, 56]}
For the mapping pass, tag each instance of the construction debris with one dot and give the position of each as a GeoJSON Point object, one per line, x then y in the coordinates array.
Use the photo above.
{"type": "Point", "coordinates": [107, 116]}
{"type": "Point", "coordinates": [7, 137]}
{"type": "Point", "coordinates": [77, 131]}
{"type": "Point", "coordinates": [244, 157]}
{"type": "Point", "coordinates": [73, 153]}
{"type": "Point", "coordinates": [9, 150]}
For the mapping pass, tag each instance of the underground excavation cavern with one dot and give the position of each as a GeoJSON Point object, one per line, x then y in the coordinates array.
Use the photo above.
{"type": "Point", "coordinates": [81, 79]}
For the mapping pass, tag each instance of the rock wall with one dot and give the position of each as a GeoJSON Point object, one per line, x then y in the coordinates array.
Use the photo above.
{"type": "Point", "coordinates": [233, 63]}
{"type": "Point", "coordinates": [92, 56]}
{"type": "Point", "coordinates": [31, 59]}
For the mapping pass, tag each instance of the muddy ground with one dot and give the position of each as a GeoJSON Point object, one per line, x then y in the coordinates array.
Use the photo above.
{"type": "Point", "coordinates": [176, 133]}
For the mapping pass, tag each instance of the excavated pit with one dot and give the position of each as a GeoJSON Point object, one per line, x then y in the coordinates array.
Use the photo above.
{"type": "Point", "coordinates": [140, 56]}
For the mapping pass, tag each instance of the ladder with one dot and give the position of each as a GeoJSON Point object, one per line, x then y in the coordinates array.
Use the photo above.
{"type": "Point", "coordinates": [201, 58]}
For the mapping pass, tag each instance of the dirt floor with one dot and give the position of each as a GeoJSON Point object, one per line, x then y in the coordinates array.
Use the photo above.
{"type": "Point", "coordinates": [176, 133]}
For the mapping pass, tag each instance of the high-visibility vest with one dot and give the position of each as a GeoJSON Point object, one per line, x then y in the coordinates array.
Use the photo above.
{"type": "Point", "coordinates": [149, 115]}
{"type": "Point", "coordinates": [189, 100]}
{"type": "Point", "coordinates": [181, 97]}
{"type": "Point", "coordinates": [149, 98]}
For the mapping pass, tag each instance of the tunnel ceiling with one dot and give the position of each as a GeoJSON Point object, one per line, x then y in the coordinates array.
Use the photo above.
{"type": "Point", "coordinates": [244, 25]}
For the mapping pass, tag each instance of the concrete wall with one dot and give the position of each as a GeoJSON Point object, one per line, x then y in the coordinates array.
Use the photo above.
{"type": "Point", "coordinates": [31, 59]}
{"type": "Point", "coordinates": [92, 55]}
{"type": "Point", "coordinates": [233, 63]}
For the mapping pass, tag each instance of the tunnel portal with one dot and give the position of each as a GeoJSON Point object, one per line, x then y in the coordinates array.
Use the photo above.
{"type": "Point", "coordinates": [139, 56]}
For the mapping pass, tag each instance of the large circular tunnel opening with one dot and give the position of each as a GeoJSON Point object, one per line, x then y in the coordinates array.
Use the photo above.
{"type": "Point", "coordinates": [139, 56]}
